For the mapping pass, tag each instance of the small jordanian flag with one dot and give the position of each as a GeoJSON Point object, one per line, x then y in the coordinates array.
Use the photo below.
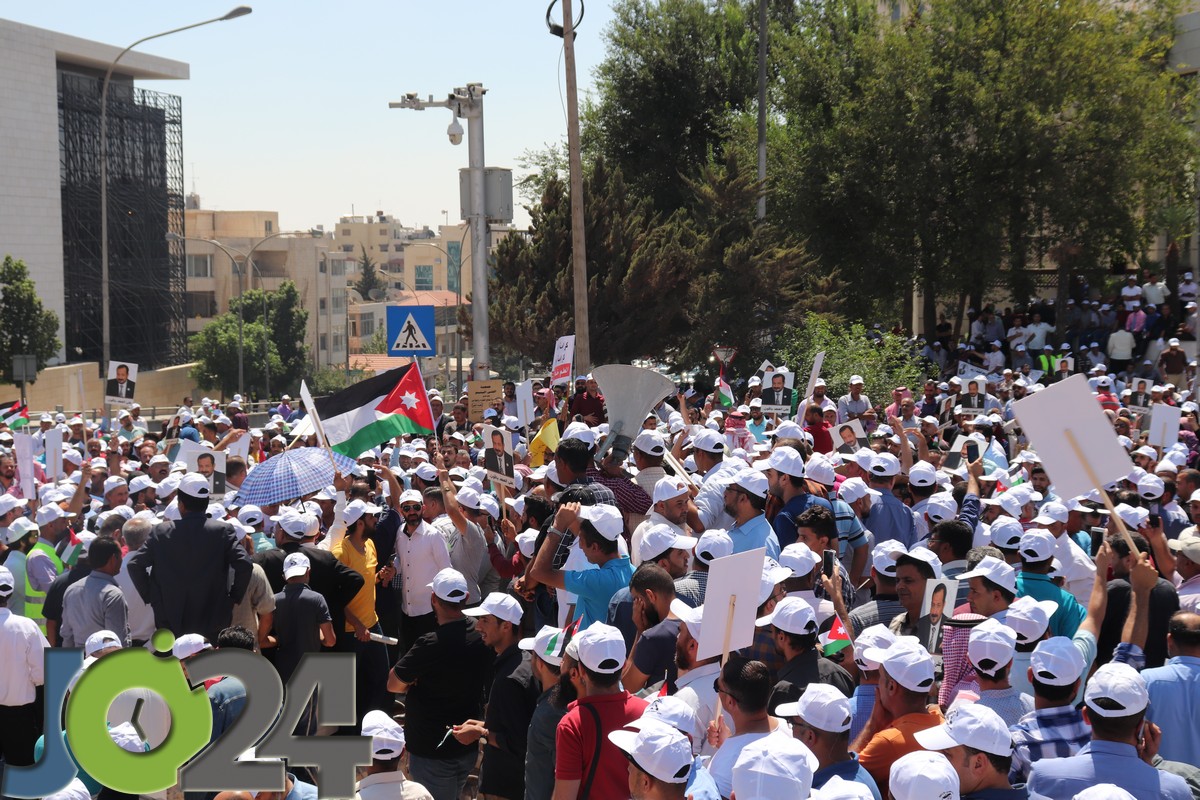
{"type": "Point", "coordinates": [376, 410]}
{"type": "Point", "coordinates": [15, 415]}
{"type": "Point", "coordinates": [725, 392]}
{"type": "Point", "coordinates": [835, 639]}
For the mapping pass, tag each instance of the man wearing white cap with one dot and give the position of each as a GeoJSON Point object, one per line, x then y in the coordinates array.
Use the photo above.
{"type": "Point", "coordinates": [772, 768]}
{"type": "Point", "coordinates": [820, 720]}
{"type": "Point", "coordinates": [1186, 550]}
{"type": "Point", "coordinates": [672, 503]}
{"type": "Point", "coordinates": [852, 404]}
{"type": "Point", "coordinates": [603, 706]}
{"type": "Point", "coordinates": [19, 537]}
{"type": "Point", "coordinates": [511, 700]}
{"type": "Point", "coordinates": [443, 675]}
{"type": "Point", "coordinates": [905, 679]}
{"type": "Point", "coordinates": [42, 564]}
{"type": "Point", "coordinates": [745, 501]}
{"type": "Point", "coordinates": [1078, 568]}
{"type": "Point", "coordinates": [1115, 703]}
{"type": "Point", "coordinates": [708, 449]}
{"type": "Point", "coordinates": [977, 743]}
{"type": "Point", "coordinates": [694, 685]}
{"type": "Point", "coordinates": [795, 631]}
{"type": "Point", "coordinates": [660, 760]}
{"type": "Point", "coordinates": [183, 572]}
{"type": "Point", "coordinates": [547, 648]}
{"type": "Point", "coordinates": [1056, 729]}
{"type": "Point", "coordinates": [649, 450]}
{"type": "Point", "coordinates": [710, 546]}
{"type": "Point", "coordinates": [990, 649]}
{"type": "Point", "coordinates": [21, 651]}
{"type": "Point", "coordinates": [383, 779]}
{"type": "Point", "coordinates": [302, 621]}
{"type": "Point", "coordinates": [889, 518]}
{"type": "Point", "coordinates": [885, 606]}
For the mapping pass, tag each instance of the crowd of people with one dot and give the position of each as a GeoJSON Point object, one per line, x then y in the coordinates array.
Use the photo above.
{"type": "Point", "coordinates": [933, 620]}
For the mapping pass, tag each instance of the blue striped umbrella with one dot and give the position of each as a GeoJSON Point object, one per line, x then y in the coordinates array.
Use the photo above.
{"type": "Point", "coordinates": [292, 474]}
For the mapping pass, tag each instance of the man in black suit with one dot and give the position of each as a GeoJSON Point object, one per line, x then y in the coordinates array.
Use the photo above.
{"type": "Point", "coordinates": [120, 386]}
{"type": "Point", "coordinates": [778, 394]}
{"type": "Point", "coordinates": [496, 459]}
{"type": "Point", "coordinates": [182, 571]}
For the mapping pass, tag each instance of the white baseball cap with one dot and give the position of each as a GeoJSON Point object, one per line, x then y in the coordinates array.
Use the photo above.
{"type": "Point", "coordinates": [250, 515]}
{"type": "Point", "coordinates": [297, 525]}
{"type": "Point", "coordinates": [838, 788]}
{"type": "Point", "coordinates": [990, 646]}
{"type": "Point", "coordinates": [1104, 791]}
{"type": "Point", "coordinates": [101, 640]}
{"type": "Point", "coordinates": [8, 503]}
{"type": "Point", "coordinates": [783, 459]}
{"type": "Point", "coordinates": [356, 509]}
{"type": "Point", "coordinates": [1121, 685]}
{"type": "Point", "coordinates": [387, 736]}
{"type": "Point", "coordinates": [547, 644]}
{"type": "Point", "coordinates": [884, 465]}
{"type": "Point", "coordinates": [692, 617]}
{"type": "Point", "coordinates": [854, 489]}
{"type": "Point", "coordinates": [650, 443]}
{"type": "Point", "coordinates": [140, 483]}
{"type": "Point", "coordinates": [668, 488]}
{"type": "Point", "coordinates": [49, 513]}
{"type": "Point", "coordinates": [606, 519]}
{"type": "Point", "coordinates": [1057, 661]}
{"type": "Point", "coordinates": [941, 507]}
{"type": "Point", "coordinates": [499, 605]}
{"type": "Point", "coordinates": [1006, 533]}
{"type": "Point", "coordinates": [971, 724]}
{"type": "Point", "coordinates": [713, 544]}
{"type": "Point", "coordinates": [189, 645]}
{"type": "Point", "coordinates": [194, 485]}
{"type": "Point", "coordinates": [799, 558]}
{"type": "Point", "coordinates": [670, 710]}
{"type": "Point", "coordinates": [822, 706]}
{"type": "Point", "coordinates": [602, 648]}
{"type": "Point", "coordinates": [923, 775]}
{"type": "Point", "coordinates": [1029, 618]}
{"type": "Point", "coordinates": [772, 575]}
{"type": "Point", "coordinates": [295, 564]}
{"type": "Point", "coordinates": [772, 768]}
{"type": "Point", "coordinates": [791, 614]}
{"type": "Point", "coordinates": [1051, 512]}
{"type": "Point", "coordinates": [920, 553]}
{"type": "Point", "coordinates": [1150, 487]}
{"type": "Point", "coordinates": [450, 585]}
{"type": "Point", "coordinates": [659, 539]}
{"type": "Point", "coordinates": [709, 441]}
{"type": "Point", "coordinates": [1133, 517]}
{"type": "Point", "coordinates": [874, 636]}
{"type": "Point", "coordinates": [23, 526]}
{"type": "Point", "coordinates": [994, 570]}
{"type": "Point", "coordinates": [882, 559]}
{"type": "Point", "coordinates": [909, 665]}
{"type": "Point", "coordinates": [752, 481]}
{"type": "Point", "coordinates": [922, 474]}
{"type": "Point", "coordinates": [8, 583]}
{"type": "Point", "coordinates": [658, 750]}
{"type": "Point", "coordinates": [819, 470]}
{"type": "Point", "coordinates": [1037, 545]}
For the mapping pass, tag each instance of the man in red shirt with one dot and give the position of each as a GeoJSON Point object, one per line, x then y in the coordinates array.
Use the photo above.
{"type": "Point", "coordinates": [589, 403]}
{"type": "Point", "coordinates": [816, 426]}
{"type": "Point", "coordinates": [593, 662]}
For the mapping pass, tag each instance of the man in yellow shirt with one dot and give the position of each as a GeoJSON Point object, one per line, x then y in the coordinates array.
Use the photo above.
{"type": "Point", "coordinates": [357, 551]}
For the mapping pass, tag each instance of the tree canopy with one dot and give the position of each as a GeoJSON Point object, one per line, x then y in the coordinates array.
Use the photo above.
{"type": "Point", "coordinates": [26, 327]}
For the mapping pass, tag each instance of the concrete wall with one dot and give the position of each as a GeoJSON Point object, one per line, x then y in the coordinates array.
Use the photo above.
{"type": "Point", "coordinates": [78, 387]}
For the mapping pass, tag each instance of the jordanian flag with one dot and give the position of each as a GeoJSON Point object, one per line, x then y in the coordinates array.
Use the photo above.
{"type": "Point", "coordinates": [725, 392]}
{"type": "Point", "coordinates": [15, 414]}
{"type": "Point", "coordinates": [376, 410]}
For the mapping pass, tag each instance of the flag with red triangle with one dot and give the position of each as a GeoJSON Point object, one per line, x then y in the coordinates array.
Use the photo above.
{"type": "Point", "coordinates": [835, 638]}
{"type": "Point", "coordinates": [376, 410]}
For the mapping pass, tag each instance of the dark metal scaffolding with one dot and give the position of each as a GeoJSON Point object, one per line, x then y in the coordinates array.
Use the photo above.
{"type": "Point", "coordinates": [145, 201]}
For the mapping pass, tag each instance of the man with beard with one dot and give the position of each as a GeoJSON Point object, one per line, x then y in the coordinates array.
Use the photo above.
{"type": "Point", "coordinates": [547, 648]}
{"type": "Point", "coordinates": [421, 553]}
{"type": "Point", "coordinates": [652, 658]}
{"type": "Point", "coordinates": [695, 683]}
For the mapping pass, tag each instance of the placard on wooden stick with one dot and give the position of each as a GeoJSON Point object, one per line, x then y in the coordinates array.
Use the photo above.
{"type": "Point", "coordinates": [731, 603]}
{"type": "Point", "coordinates": [1164, 424]}
{"type": "Point", "coordinates": [1075, 441]}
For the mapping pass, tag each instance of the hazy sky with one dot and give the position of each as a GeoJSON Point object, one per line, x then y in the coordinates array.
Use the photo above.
{"type": "Point", "coordinates": [286, 108]}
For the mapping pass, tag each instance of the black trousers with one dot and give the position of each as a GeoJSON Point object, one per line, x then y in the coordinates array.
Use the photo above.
{"type": "Point", "coordinates": [19, 731]}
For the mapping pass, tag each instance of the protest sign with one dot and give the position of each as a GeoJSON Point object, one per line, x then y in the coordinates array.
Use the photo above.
{"type": "Point", "coordinates": [1164, 424]}
{"type": "Point", "coordinates": [850, 437]}
{"type": "Point", "coordinates": [122, 380]}
{"type": "Point", "coordinates": [564, 360]}
{"type": "Point", "coordinates": [525, 406]}
{"type": "Point", "coordinates": [209, 463]}
{"type": "Point", "coordinates": [481, 395]}
{"type": "Point", "coordinates": [52, 441]}
{"type": "Point", "coordinates": [498, 456]}
{"type": "Point", "coordinates": [968, 371]}
{"type": "Point", "coordinates": [818, 361]}
{"type": "Point", "coordinates": [777, 394]}
{"type": "Point", "coordinates": [731, 603]}
{"type": "Point", "coordinates": [23, 450]}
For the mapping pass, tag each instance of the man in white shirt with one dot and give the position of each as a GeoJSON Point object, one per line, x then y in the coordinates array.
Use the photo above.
{"type": "Point", "coordinates": [421, 553]}
{"type": "Point", "coordinates": [21, 646]}
{"type": "Point", "coordinates": [1037, 331]}
{"type": "Point", "coordinates": [1131, 293]}
{"type": "Point", "coordinates": [1155, 291]}
{"type": "Point", "coordinates": [1189, 290]}
{"type": "Point", "coordinates": [672, 502]}
{"type": "Point", "coordinates": [1187, 570]}
{"type": "Point", "coordinates": [140, 614]}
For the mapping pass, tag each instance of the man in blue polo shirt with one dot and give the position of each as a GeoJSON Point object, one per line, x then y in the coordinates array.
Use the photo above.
{"type": "Point", "coordinates": [1115, 706]}
{"type": "Point", "coordinates": [820, 719]}
{"type": "Point", "coordinates": [745, 499]}
{"type": "Point", "coordinates": [598, 528]}
{"type": "Point", "coordinates": [889, 518]}
{"type": "Point", "coordinates": [1173, 690]}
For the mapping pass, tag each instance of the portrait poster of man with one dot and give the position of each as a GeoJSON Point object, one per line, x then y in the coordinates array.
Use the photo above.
{"type": "Point", "coordinates": [849, 437]}
{"type": "Point", "coordinates": [498, 456]}
{"type": "Point", "coordinates": [121, 383]}
{"type": "Point", "coordinates": [777, 392]}
{"type": "Point", "coordinates": [936, 608]}
{"type": "Point", "coordinates": [209, 463]}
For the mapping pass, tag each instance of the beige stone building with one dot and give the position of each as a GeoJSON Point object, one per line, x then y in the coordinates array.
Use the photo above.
{"type": "Point", "coordinates": [318, 270]}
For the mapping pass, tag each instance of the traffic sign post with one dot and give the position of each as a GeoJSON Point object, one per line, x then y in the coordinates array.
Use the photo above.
{"type": "Point", "coordinates": [411, 331]}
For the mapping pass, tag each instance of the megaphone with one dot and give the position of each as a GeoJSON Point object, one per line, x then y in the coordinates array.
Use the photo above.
{"type": "Point", "coordinates": [630, 394]}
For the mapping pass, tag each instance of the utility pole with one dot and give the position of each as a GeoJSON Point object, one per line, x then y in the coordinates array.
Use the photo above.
{"type": "Point", "coordinates": [762, 108]}
{"type": "Point", "coordinates": [583, 349]}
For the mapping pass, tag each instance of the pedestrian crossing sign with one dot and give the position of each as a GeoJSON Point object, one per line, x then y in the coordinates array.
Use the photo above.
{"type": "Point", "coordinates": [411, 331]}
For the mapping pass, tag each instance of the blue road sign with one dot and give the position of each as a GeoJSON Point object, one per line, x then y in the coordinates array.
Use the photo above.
{"type": "Point", "coordinates": [411, 331]}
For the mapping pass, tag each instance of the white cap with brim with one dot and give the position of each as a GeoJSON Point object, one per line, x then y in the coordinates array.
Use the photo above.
{"type": "Point", "coordinates": [990, 646]}
{"type": "Point", "coordinates": [822, 706]}
{"type": "Point", "coordinates": [668, 488]}
{"type": "Point", "coordinates": [713, 544]}
{"type": "Point", "coordinates": [691, 617]}
{"type": "Point", "coordinates": [8, 584]}
{"type": "Point", "coordinates": [673, 712]}
{"type": "Point", "coordinates": [498, 605]}
{"type": "Point", "coordinates": [547, 644]}
{"type": "Point", "coordinates": [882, 559]}
{"type": "Point", "coordinates": [295, 565]}
{"type": "Point", "coordinates": [658, 750]}
{"type": "Point", "coordinates": [189, 645]}
{"type": "Point", "coordinates": [387, 736]}
{"type": "Point", "coordinates": [1057, 662]}
{"type": "Point", "coordinates": [602, 648]}
{"type": "Point", "coordinates": [772, 768]}
{"type": "Point", "coordinates": [971, 724]}
{"type": "Point", "coordinates": [19, 529]}
{"type": "Point", "coordinates": [910, 666]}
{"type": "Point", "coordinates": [923, 775]}
{"type": "Point", "coordinates": [1119, 687]}
{"type": "Point", "coordinates": [450, 585]}
{"type": "Point", "coordinates": [791, 614]}
{"type": "Point", "coordinates": [1029, 618]}
{"type": "Point", "coordinates": [922, 554]}
{"type": "Point", "coordinates": [194, 485]}
{"type": "Point", "coordinates": [994, 570]}
{"type": "Point", "coordinates": [606, 519]}
{"type": "Point", "coordinates": [659, 539]}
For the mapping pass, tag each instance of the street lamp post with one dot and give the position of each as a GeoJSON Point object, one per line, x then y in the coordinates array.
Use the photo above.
{"type": "Point", "coordinates": [467, 102]}
{"type": "Point", "coordinates": [105, 311]}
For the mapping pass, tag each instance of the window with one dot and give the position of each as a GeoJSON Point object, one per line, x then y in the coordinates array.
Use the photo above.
{"type": "Point", "coordinates": [383, 232]}
{"type": "Point", "coordinates": [347, 248]}
{"type": "Point", "coordinates": [321, 305]}
{"type": "Point", "coordinates": [383, 248]}
{"type": "Point", "coordinates": [366, 326]}
{"type": "Point", "coordinates": [345, 231]}
{"type": "Point", "coordinates": [353, 326]}
{"type": "Point", "coordinates": [199, 266]}
{"type": "Point", "coordinates": [200, 304]}
{"type": "Point", "coordinates": [339, 300]}
{"type": "Point", "coordinates": [337, 268]}
{"type": "Point", "coordinates": [269, 227]}
{"type": "Point", "coordinates": [423, 279]}
{"type": "Point", "coordinates": [324, 343]}
{"type": "Point", "coordinates": [321, 267]}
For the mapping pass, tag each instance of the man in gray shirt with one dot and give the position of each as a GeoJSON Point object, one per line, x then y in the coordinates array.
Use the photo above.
{"type": "Point", "coordinates": [96, 603]}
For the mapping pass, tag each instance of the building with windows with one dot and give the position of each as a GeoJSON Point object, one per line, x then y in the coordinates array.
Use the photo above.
{"type": "Point", "coordinates": [50, 191]}
{"type": "Point", "coordinates": [212, 280]}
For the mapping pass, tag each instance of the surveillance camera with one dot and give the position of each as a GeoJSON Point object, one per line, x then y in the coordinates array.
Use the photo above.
{"type": "Point", "coordinates": [455, 132]}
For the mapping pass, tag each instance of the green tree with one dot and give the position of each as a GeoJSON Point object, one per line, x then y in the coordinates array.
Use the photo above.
{"type": "Point", "coordinates": [378, 343]}
{"type": "Point", "coordinates": [369, 280]}
{"type": "Point", "coordinates": [215, 348]}
{"type": "Point", "coordinates": [884, 363]}
{"type": "Point", "coordinates": [25, 326]}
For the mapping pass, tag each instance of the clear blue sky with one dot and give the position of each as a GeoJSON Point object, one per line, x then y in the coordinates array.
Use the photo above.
{"type": "Point", "coordinates": [286, 108]}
